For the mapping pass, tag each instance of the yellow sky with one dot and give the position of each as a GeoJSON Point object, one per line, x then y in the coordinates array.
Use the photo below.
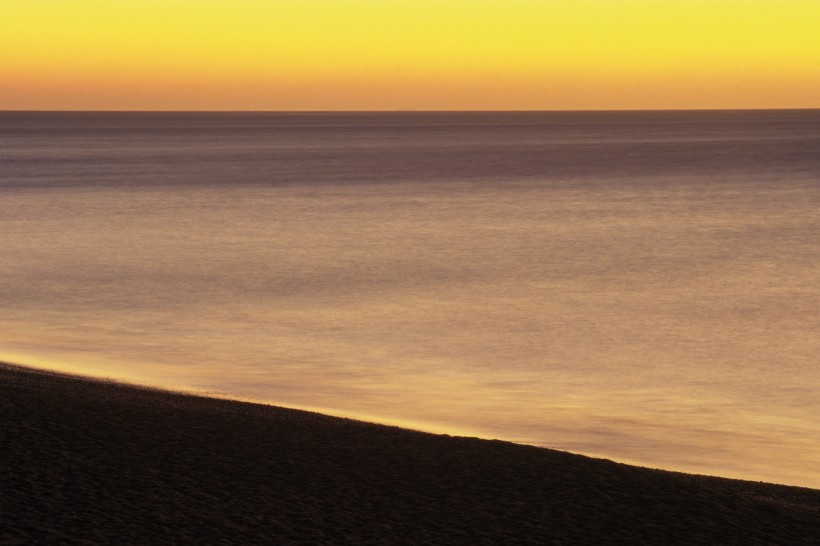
{"type": "Point", "coordinates": [408, 54]}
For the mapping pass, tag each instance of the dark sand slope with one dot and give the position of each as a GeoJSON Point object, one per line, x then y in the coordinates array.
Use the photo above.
{"type": "Point", "coordinates": [105, 463]}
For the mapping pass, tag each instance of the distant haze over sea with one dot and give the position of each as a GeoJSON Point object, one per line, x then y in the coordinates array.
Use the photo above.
{"type": "Point", "coordinates": [642, 286]}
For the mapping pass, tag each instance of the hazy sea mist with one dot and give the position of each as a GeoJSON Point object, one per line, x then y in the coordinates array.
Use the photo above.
{"type": "Point", "coordinates": [639, 286]}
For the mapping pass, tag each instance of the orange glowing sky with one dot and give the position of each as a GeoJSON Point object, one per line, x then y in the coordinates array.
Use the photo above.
{"type": "Point", "coordinates": [408, 54]}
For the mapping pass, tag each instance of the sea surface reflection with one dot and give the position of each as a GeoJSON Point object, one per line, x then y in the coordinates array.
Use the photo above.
{"type": "Point", "coordinates": [642, 287]}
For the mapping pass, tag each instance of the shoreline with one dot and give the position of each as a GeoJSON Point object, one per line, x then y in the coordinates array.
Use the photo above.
{"type": "Point", "coordinates": [98, 460]}
{"type": "Point", "coordinates": [93, 374]}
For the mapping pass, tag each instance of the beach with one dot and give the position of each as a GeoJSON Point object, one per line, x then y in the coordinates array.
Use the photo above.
{"type": "Point", "coordinates": [422, 272]}
{"type": "Point", "coordinates": [89, 461]}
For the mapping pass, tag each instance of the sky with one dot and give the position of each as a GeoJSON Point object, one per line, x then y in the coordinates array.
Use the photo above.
{"type": "Point", "coordinates": [408, 54]}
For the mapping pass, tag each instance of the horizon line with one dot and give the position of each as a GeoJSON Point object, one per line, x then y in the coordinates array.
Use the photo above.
{"type": "Point", "coordinates": [403, 111]}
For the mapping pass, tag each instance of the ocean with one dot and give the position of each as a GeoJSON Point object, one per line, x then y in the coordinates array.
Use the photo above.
{"type": "Point", "coordinates": [639, 286]}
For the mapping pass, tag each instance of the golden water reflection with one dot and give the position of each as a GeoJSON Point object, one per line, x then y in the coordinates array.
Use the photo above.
{"type": "Point", "coordinates": [676, 331]}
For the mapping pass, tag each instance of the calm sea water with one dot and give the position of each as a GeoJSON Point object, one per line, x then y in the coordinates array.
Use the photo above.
{"type": "Point", "coordinates": [639, 286]}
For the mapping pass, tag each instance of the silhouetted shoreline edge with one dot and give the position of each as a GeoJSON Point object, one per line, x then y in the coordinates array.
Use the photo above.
{"type": "Point", "coordinates": [99, 461]}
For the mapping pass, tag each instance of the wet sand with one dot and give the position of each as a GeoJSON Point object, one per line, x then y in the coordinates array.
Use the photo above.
{"type": "Point", "coordinates": [100, 462]}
